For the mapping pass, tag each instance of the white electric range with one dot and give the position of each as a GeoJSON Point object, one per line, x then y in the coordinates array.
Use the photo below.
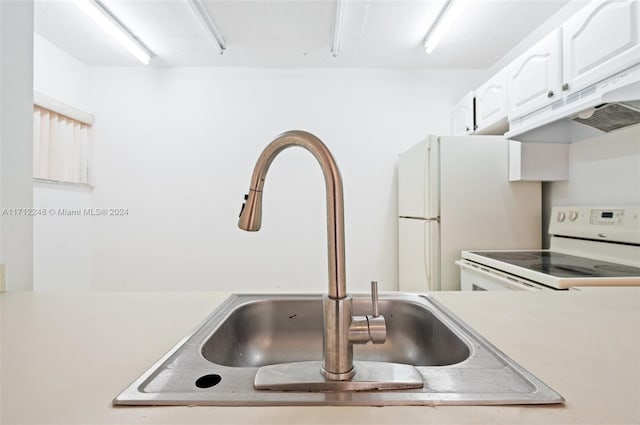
{"type": "Point", "coordinates": [590, 247]}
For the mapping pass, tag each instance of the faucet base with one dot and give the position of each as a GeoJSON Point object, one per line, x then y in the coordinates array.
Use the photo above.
{"type": "Point", "coordinates": [369, 376]}
{"type": "Point", "coordinates": [338, 376]}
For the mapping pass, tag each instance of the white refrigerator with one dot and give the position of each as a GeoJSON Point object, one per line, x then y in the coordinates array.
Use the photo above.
{"type": "Point", "coordinates": [454, 194]}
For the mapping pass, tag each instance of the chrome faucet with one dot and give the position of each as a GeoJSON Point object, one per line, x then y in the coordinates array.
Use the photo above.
{"type": "Point", "coordinates": [341, 328]}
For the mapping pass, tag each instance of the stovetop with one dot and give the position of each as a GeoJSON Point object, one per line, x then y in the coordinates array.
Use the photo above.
{"type": "Point", "coordinates": [556, 269]}
{"type": "Point", "coordinates": [562, 265]}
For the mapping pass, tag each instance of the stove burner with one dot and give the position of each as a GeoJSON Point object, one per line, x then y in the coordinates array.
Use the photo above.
{"type": "Point", "coordinates": [515, 256]}
{"type": "Point", "coordinates": [618, 268]}
{"type": "Point", "coordinates": [564, 270]}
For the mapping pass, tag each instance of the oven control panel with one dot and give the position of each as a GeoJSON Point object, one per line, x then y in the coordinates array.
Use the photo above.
{"type": "Point", "coordinates": [607, 217]}
{"type": "Point", "coordinates": [615, 224]}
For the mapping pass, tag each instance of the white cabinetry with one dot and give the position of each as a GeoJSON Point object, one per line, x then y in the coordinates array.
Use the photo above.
{"type": "Point", "coordinates": [491, 105]}
{"type": "Point", "coordinates": [463, 116]}
{"type": "Point", "coordinates": [601, 40]}
{"type": "Point", "coordinates": [534, 78]}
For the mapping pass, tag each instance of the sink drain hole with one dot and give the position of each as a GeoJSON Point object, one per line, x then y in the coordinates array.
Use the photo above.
{"type": "Point", "coordinates": [208, 381]}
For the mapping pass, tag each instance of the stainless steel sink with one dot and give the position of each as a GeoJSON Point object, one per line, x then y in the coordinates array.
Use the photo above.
{"type": "Point", "coordinates": [217, 364]}
{"type": "Point", "coordinates": [290, 330]}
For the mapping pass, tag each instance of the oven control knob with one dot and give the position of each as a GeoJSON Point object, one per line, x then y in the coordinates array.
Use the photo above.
{"type": "Point", "coordinates": [573, 215]}
{"type": "Point", "coordinates": [561, 216]}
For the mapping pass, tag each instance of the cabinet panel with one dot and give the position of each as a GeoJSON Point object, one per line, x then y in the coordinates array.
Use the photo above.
{"type": "Point", "coordinates": [538, 161]}
{"type": "Point", "coordinates": [463, 116]}
{"type": "Point", "coordinates": [534, 79]}
{"type": "Point", "coordinates": [491, 103]}
{"type": "Point", "coordinates": [601, 40]}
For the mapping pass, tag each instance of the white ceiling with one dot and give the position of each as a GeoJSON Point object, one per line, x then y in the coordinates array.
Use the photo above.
{"type": "Point", "coordinates": [298, 33]}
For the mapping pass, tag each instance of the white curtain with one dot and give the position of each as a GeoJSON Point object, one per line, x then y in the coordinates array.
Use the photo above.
{"type": "Point", "coordinates": [60, 148]}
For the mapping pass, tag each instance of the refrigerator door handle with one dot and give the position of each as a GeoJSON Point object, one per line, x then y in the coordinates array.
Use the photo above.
{"type": "Point", "coordinates": [432, 246]}
{"type": "Point", "coordinates": [432, 198]}
{"type": "Point", "coordinates": [428, 255]}
{"type": "Point", "coordinates": [426, 179]}
{"type": "Point", "coordinates": [437, 219]}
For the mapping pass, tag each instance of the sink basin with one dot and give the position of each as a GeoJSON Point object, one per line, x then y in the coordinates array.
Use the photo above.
{"type": "Point", "coordinates": [290, 330]}
{"type": "Point", "coordinates": [217, 364]}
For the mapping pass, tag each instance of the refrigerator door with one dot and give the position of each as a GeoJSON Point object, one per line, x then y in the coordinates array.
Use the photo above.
{"type": "Point", "coordinates": [419, 255]}
{"type": "Point", "coordinates": [480, 207]}
{"type": "Point", "coordinates": [418, 180]}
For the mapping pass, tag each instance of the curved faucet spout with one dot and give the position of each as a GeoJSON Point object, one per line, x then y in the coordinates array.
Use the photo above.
{"type": "Point", "coordinates": [251, 213]}
{"type": "Point", "coordinates": [341, 330]}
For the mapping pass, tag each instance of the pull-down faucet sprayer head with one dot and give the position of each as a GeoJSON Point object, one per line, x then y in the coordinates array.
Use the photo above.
{"type": "Point", "coordinates": [251, 212]}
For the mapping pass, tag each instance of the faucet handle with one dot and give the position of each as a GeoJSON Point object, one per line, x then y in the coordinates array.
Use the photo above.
{"type": "Point", "coordinates": [374, 297]}
{"type": "Point", "coordinates": [376, 323]}
{"type": "Point", "coordinates": [369, 328]}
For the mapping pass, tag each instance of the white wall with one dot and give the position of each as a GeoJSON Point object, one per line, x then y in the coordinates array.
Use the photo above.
{"type": "Point", "coordinates": [62, 247]}
{"type": "Point", "coordinates": [60, 75]}
{"type": "Point", "coordinates": [602, 171]}
{"type": "Point", "coordinates": [16, 146]}
{"type": "Point", "coordinates": [176, 147]}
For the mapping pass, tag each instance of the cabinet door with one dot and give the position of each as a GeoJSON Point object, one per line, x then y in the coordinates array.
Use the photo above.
{"type": "Point", "coordinates": [491, 102]}
{"type": "Point", "coordinates": [535, 77]}
{"type": "Point", "coordinates": [463, 116]}
{"type": "Point", "coordinates": [601, 40]}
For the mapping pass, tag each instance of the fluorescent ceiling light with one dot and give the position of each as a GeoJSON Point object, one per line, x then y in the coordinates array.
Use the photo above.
{"type": "Point", "coordinates": [449, 14]}
{"type": "Point", "coordinates": [103, 17]}
{"type": "Point", "coordinates": [206, 20]}
{"type": "Point", "coordinates": [337, 31]}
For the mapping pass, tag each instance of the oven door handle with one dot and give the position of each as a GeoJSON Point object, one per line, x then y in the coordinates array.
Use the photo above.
{"type": "Point", "coordinates": [511, 283]}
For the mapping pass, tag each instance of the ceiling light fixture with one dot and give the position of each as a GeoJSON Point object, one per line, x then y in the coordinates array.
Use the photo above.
{"type": "Point", "coordinates": [206, 20]}
{"type": "Point", "coordinates": [337, 31]}
{"type": "Point", "coordinates": [103, 17]}
{"type": "Point", "coordinates": [448, 15]}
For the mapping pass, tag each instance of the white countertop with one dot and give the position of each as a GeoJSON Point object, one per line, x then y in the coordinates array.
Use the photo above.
{"type": "Point", "coordinates": [65, 356]}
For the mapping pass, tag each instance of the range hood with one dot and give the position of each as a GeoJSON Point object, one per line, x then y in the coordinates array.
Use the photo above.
{"type": "Point", "coordinates": [606, 106]}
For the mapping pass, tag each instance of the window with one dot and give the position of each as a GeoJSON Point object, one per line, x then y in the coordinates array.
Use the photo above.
{"type": "Point", "coordinates": [60, 141]}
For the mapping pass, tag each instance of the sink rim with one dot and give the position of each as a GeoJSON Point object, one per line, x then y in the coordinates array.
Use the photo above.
{"type": "Point", "coordinates": [138, 392]}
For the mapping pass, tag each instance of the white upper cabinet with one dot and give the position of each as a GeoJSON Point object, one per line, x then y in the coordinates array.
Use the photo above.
{"type": "Point", "coordinates": [534, 79]}
{"type": "Point", "coordinates": [491, 105]}
{"type": "Point", "coordinates": [601, 40]}
{"type": "Point", "coordinates": [463, 118]}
